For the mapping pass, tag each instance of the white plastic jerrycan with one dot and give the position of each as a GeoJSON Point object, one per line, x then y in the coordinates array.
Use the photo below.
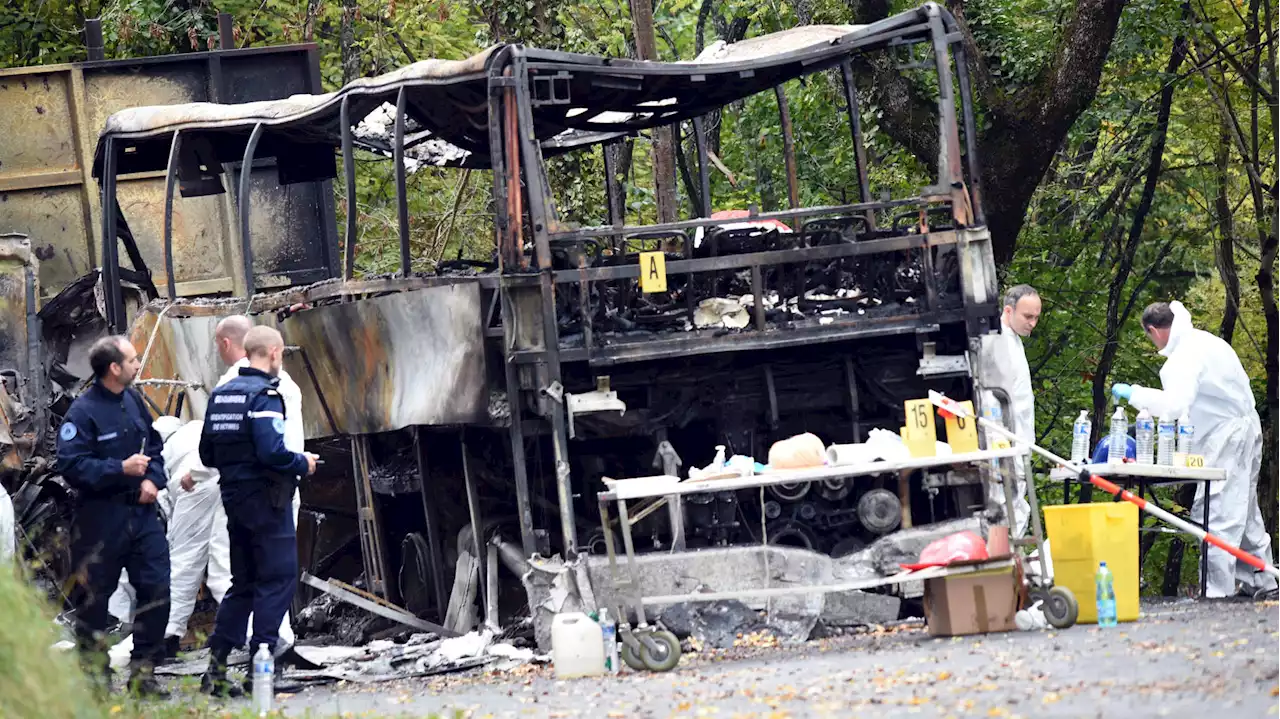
{"type": "Point", "coordinates": [577, 646]}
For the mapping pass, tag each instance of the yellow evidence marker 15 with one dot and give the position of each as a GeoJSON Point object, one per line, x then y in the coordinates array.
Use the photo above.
{"type": "Point", "coordinates": [920, 435]}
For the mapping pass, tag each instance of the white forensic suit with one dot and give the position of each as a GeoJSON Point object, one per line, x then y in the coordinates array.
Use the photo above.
{"type": "Point", "coordinates": [294, 441]}
{"type": "Point", "coordinates": [1004, 364]}
{"type": "Point", "coordinates": [1203, 377]}
{"type": "Point", "coordinates": [193, 539]}
{"type": "Point", "coordinates": [8, 527]}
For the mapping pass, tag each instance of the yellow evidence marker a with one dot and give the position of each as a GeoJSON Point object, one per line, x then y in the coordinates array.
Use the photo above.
{"type": "Point", "coordinates": [920, 435]}
{"type": "Point", "coordinates": [653, 272]}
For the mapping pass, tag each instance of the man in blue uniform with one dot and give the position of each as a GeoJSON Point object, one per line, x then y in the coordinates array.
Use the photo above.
{"type": "Point", "coordinates": [109, 453]}
{"type": "Point", "coordinates": [243, 438]}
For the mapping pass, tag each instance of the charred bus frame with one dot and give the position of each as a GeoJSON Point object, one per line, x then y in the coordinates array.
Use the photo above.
{"type": "Point", "coordinates": [508, 110]}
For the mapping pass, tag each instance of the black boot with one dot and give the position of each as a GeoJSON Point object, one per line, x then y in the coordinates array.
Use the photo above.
{"type": "Point", "coordinates": [171, 648]}
{"type": "Point", "coordinates": [214, 682]}
{"type": "Point", "coordinates": [142, 682]}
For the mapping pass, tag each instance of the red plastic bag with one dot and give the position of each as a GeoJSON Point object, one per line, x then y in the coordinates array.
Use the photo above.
{"type": "Point", "coordinates": [958, 547]}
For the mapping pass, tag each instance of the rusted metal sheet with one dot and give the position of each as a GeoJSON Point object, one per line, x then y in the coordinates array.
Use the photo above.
{"type": "Point", "coordinates": [376, 365]}
{"type": "Point", "coordinates": [19, 350]}
{"type": "Point", "coordinates": [49, 127]}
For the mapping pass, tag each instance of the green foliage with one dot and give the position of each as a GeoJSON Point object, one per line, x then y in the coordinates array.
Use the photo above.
{"type": "Point", "coordinates": [36, 680]}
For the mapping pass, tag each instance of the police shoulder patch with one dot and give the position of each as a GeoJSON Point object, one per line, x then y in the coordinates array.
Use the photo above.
{"type": "Point", "coordinates": [278, 425]}
{"type": "Point", "coordinates": [68, 431]}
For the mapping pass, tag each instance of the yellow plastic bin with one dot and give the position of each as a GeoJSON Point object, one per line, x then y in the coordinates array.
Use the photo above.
{"type": "Point", "coordinates": [1081, 536]}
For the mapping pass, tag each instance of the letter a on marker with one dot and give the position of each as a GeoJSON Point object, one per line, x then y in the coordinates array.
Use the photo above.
{"type": "Point", "coordinates": [653, 272]}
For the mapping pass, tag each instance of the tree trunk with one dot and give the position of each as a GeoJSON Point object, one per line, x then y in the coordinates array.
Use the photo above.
{"type": "Point", "coordinates": [1269, 475]}
{"type": "Point", "coordinates": [1117, 310]}
{"type": "Point", "coordinates": [347, 42]}
{"type": "Point", "coordinates": [1024, 128]}
{"type": "Point", "coordinates": [1224, 256]}
{"type": "Point", "coordinates": [664, 152]}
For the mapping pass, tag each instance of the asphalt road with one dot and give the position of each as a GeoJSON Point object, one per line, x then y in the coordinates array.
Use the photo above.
{"type": "Point", "coordinates": [1178, 660]}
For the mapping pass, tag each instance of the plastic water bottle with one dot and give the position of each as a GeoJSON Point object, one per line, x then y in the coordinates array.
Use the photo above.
{"type": "Point", "coordinates": [264, 673]}
{"type": "Point", "coordinates": [1166, 436]}
{"type": "Point", "coordinates": [1145, 430]}
{"type": "Point", "coordinates": [609, 634]}
{"type": "Point", "coordinates": [1186, 436]}
{"type": "Point", "coordinates": [1080, 437]}
{"type": "Point", "coordinates": [994, 414]}
{"type": "Point", "coordinates": [1106, 596]}
{"type": "Point", "coordinates": [1119, 430]}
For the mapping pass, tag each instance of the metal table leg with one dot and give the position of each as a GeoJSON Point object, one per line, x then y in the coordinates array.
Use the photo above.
{"type": "Point", "coordinates": [1204, 548]}
{"type": "Point", "coordinates": [624, 523]}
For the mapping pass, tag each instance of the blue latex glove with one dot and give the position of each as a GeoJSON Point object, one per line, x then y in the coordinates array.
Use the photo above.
{"type": "Point", "coordinates": [1121, 391]}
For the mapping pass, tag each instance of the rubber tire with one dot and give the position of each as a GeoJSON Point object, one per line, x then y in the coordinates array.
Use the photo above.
{"type": "Point", "coordinates": [631, 659]}
{"type": "Point", "coordinates": [667, 662]}
{"type": "Point", "coordinates": [1061, 610]}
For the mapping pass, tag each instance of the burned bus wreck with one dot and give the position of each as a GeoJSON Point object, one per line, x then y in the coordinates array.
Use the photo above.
{"type": "Point", "coordinates": [499, 392]}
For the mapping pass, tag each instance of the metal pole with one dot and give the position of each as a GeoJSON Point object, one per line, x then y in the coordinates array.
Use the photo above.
{"type": "Point", "coordinates": [246, 172]}
{"type": "Point", "coordinates": [432, 519]}
{"type": "Point", "coordinates": [349, 173]}
{"type": "Point", "coordinates": [93, 39]}
{"type": "Point", "coordinates": [226, 31]}
{"type": "Point", "coordinates": [970, 137]}
{"type": "Point", "coordinates": [473, 511]}
{"type": "Point", "coordinates": [110, 253]}
{"type": "Point", "coordinates": [540, 214]}
{"type": "Point", "coordinates": [704, 172]}
{"type": "Point", "coordinates": [169, 182]}
{"type": "Point", "coordinates": [402, 197]}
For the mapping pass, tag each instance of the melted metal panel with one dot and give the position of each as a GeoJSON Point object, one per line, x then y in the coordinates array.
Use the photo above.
{"type": "Point", "coordinates": [380, 364]}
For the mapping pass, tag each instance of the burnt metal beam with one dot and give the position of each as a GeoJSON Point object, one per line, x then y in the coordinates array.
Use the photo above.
{"type": "Point", "coordinates": [519, 464]}
{"type": "Point", "coordinates": [226, 31]}
{"type": "Point", "coordinates": [402, 191]}
{"type": "Point", "coordinates": [970, 137]}
{"type": "Point", "coordinates": [93, 39]}
{"type": "Point", "coordinates": [541, 212]}
{"type": "Point", "coordinates": [349, 175]}
{"type": "Point", "coordinates": [110, 252]}
{"type": "Point", "coordinates": [169, 181]}
{"type": "Point", "coordinates": [372, 549]}
{"type": "Point", "coordinates": [430, 500]}
{"type": "Point", "coordinates": [246, 243]}
{"type": "Point", "coordinates": [704, 172]}
{"type": "Point", "coordinates": [700, 343]}
{"type": "Point", "coordinates": [799, 212]}
{"type": "Point", "coordinates": [950, 175]}
{"type": "Point", "coordinates": [767, 258]}
{"type": "Point", "coordinates": [473, 512]}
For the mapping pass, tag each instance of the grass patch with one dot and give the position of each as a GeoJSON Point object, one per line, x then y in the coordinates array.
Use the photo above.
{"type": "Point", "coordinates": [38, 681]}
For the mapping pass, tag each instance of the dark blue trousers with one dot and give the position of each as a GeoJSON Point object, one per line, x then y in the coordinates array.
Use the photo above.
{"type": "Point", "coordinates": [110, 535]}
{"type": "Point", "coordinates": [264, 571]}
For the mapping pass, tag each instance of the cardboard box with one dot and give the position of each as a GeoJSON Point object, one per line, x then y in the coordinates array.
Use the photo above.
{"type": "Point", "coordinates": [975, 603]}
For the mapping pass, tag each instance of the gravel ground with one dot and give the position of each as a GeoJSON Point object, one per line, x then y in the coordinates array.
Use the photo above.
{"type": "Point", "coordinates": [1180, 659]}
